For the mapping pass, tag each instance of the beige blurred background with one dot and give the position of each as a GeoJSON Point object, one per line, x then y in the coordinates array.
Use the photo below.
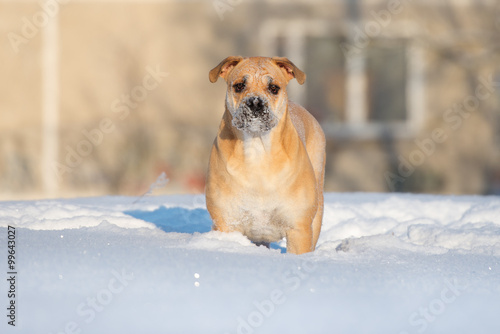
{"type": "Point", "coordinates": [101, 97]}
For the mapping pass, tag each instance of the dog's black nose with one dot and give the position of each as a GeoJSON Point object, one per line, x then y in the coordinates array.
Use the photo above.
{"type": "Point", "coordinates": [256, 105]}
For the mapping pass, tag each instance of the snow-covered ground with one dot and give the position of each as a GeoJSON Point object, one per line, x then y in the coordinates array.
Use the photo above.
{"type": "Point", "coordinates": [385, 263]}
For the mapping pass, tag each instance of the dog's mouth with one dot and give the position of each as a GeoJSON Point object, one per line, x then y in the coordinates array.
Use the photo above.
{"type": "Point", "coordinates": [254, 115]}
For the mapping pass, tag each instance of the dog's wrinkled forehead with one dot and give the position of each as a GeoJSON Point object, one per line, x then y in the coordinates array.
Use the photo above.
{"type": "Point", "coordinates": [257, 72]}
{"type": "Point", "coordinates": [257, 79]}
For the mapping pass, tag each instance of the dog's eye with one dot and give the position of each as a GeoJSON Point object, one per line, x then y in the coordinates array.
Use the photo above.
{"type": "Point", "coordinates": [274, 89]}
{"type": "Point", "coordinates": [238, 88]}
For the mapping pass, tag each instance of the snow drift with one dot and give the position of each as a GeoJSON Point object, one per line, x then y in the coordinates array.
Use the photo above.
{"type": "Point", "coordinates": [384, 263]}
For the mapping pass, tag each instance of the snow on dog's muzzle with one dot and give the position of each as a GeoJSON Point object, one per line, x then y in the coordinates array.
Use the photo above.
{"type": "Point", "coordinates": [254, 115]}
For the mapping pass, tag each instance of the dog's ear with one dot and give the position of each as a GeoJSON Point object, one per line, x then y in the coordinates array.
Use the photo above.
{"type": "Point", "coordinates": [223, 69]}
{"type": "Point", "coordinates": [289, 69]}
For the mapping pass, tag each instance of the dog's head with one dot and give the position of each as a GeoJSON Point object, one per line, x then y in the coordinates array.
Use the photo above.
{"type": "Point", "coordinates": [256, 90]}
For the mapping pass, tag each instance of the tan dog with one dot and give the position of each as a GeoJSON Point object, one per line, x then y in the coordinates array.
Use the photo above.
{"type": "Point", "coordinates": [266, 171]}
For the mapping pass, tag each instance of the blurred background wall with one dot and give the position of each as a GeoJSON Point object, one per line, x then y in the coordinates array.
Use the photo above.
{"type": "Point", "coordinates": [103, 96]}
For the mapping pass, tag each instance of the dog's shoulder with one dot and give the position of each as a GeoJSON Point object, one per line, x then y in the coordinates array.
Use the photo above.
{"type": "Point", "coordinates": [305, 124]}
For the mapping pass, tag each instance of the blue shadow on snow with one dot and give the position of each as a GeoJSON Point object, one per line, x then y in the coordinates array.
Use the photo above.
{"type": "Point", "coordinates": [176, 219]}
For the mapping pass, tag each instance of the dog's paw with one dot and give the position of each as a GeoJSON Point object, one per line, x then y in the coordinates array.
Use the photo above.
{"type": "Point", "coordinates": [262, 243]}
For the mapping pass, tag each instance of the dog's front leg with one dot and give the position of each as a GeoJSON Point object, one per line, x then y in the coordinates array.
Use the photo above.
{"type": "Point", "coordinates": [219, 222]}
{"type": "Point", "coordinates": [299, 240]}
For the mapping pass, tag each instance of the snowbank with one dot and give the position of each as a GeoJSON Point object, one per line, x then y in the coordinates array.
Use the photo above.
{"type": "Point", "coordinates": [384, 263]}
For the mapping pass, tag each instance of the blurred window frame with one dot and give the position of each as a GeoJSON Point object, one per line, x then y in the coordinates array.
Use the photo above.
{"type": "Point", "coordinates": [292, 35]}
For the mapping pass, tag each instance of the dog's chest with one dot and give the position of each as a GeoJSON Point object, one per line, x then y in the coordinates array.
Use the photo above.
{"type": "Point", "coordinates": [258, 198]}
{"type": "Point", "coordinates": [257, 167]}
{"type": "Point", "coordinates": [260, 219]}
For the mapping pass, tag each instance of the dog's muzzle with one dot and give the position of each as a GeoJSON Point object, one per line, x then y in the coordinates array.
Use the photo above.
{"type": "Point", "coordinates": [254, 115]}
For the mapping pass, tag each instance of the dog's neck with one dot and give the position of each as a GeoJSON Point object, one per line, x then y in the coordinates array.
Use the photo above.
{"type": "Point", "coordinates": [255, 146]}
